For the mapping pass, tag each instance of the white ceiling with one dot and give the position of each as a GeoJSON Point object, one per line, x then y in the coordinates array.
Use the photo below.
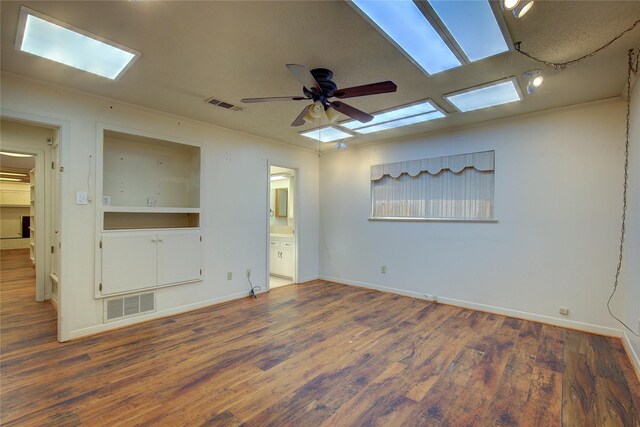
{"type": "Point", "coordinates": [237, 49]}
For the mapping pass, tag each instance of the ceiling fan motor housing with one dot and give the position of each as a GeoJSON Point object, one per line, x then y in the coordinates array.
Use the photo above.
{"type": "Point", "coordinates": [323, 76]}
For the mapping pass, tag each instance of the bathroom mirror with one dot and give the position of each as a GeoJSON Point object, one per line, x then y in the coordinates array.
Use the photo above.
{"type": "Point", "coordinates": [282, 195]}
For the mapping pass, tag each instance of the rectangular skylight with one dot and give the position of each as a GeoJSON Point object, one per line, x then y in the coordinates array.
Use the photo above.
{"type": "Point", "coordinates": [57, 41]}
{"type": "Point", "coordinates": [405, 25]}
{"type": "Point", "coordinates": [485, 96]}
{"type": "Point", "coordinates": [402, 122]}
{"type": "Point", "coordinates": [326, 134]}
{"type": "Point", "coordinates": [398, 113]}
{"type": "Point", "coordinates": [473, 25]}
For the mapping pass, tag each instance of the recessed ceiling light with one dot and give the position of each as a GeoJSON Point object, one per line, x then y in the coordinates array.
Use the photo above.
{"type": "Point", "coordinates": [57, 41]}
{"type": "Point", "coordinates": [9, 179]}
{"type": "Point", "coordinates": [326, 134]}
{"type": "Point", "coordinates": [408, 28]}
{"type": "Point", "coordinates": [402, 122]}
{"type": "Point", "coordinates": [484, 96]}
{"type": "Point", "coordinates": [6, 153]}
{"type": "Point", "coordinates": [278, 177]}
{"type": "Point", "coordinates": [473, 25]}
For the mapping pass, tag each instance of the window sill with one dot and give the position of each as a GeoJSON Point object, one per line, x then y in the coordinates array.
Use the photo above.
{"type": "Point", "coordinates": [411, 219]}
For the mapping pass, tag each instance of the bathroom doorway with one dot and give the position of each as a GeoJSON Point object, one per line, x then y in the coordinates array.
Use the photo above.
{"type": "Point", "coordinates": [282, 226]}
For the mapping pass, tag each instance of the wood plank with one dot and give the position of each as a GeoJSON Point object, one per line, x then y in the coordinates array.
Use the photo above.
{"type": "Point", "coordinates": [313, 354]}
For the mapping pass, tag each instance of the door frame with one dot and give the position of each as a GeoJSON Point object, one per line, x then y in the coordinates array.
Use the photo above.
{"type": "Point", "coordinates": [296, 233]}
{"type": "Point", "coordinates": [62, 130]}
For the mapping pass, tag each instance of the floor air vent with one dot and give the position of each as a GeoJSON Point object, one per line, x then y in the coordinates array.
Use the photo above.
{"type": "Point", "coordinates": [222, 104]}
{"type": "Point", "coordinates": [129, 306]}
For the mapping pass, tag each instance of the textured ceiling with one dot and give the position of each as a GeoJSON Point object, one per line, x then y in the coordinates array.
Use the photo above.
{"type": "Point", "coordinates": [232, 50]}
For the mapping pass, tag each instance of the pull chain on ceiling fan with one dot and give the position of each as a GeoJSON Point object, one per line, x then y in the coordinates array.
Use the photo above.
{"type": "Point", "coordinates": [318, 87]}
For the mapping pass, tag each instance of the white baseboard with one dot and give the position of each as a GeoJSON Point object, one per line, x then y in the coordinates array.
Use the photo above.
{"type": "Point", "coordinates": [565, 323]}
{"type": "Point", "coordinates": [635, 360]}
{"type": "Point", "coordinates": [104, 327]}
{"type": "Point", "coordinates": [307, 279]}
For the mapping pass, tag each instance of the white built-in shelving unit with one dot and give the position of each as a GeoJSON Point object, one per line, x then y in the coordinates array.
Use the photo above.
{"type": "Point", "coordinates": [32, 215]}
{"type": "Point", "coordinates": [149, 213]}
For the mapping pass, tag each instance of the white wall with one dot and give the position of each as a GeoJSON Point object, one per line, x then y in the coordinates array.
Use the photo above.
{"type": "Point", "coordinates": [234, 200]}
{"type": "Point", "coordinates": [630, 275]}
{"type": "Point", "coordinates": [557, 201]}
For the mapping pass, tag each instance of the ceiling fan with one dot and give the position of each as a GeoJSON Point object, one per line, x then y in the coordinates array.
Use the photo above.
{"type": "Point", "coordinates": [318, 87]}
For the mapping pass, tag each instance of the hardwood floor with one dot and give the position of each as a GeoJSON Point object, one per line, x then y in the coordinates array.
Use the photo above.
{"type": "Point", "coordinates": [307, 355]}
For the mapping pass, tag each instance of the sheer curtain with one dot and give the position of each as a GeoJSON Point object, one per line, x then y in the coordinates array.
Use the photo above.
{"type": "Point", "coordinates": [439, 193]}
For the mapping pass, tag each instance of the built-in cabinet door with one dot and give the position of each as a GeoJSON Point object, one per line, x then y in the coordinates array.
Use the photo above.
{"type": "Point", "coordinates": [286, 258]}
{"type": "Point", "coordinates": [129, 261]}
{"type": "Point", "coordinates": [179, 256]}
{"type": "Point", "coordinates": [274, 260]}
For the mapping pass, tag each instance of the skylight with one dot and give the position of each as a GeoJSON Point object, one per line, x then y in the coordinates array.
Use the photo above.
{"type": "Point", "coordinates": [403, 22]}
{"type": "Point", "coordinates": [49, 38]}
{"type": "Point", "coordinates": [473, 25]}
{"type": "Point", "coordinates": [395, 114]}
{"type": "Point", "coordinates": [326, 134]}
{"type": "Point", "coordinates": [402, 122]}
{"type": "Point", "coordinates": [486, 95]}
{"type": "Point", "coordinates": [405, 115]}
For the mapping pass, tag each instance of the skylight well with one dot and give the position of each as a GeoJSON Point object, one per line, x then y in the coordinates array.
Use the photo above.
{"type": "Point", "coordinates": [326, 134]}
{"type": "Point", "coordinates": [403, 116]}
{"type": "Point", "coordinates": [484, 96]}
{"type": "Point", "coordinates": [438, 35]}
{"type": "Point", "coordinates": [57, 41]}
{"type": "Point", "coordinates": [473, 25]}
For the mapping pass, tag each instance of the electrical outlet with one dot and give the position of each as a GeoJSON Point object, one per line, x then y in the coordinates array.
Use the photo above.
{"type": "Point", "coordinates": [248, 273]}
{"type": "Point", "coordinates": [564, 311]}
{"type": "Point", "coordinates": [383, 269]}
{"type": "Point", "coordinates": [229, 275]}
{"type": "Point", "coordinates": [81, 198]}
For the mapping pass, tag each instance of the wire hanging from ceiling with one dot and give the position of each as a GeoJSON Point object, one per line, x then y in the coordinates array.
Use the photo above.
{"type": "Point", "coordinates": [563, 65]}
{"type": "Point", "coordinates": [632, 71]}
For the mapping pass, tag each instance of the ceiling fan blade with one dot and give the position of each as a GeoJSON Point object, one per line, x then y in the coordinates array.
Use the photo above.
{"type": "Point", "coordinates": [299, 121]}
{"type": "Point", "coordinates": [304, 76]}
{"type": "Point", "coordinates": [273, 98]}
{"type": "Point", "coordinates": [352, 112]}
{"type": "Point", "coordinates": [364, 90]}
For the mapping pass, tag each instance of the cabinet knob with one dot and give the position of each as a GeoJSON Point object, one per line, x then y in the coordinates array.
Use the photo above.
{"type": "Point", "coordinates": [153, 240]}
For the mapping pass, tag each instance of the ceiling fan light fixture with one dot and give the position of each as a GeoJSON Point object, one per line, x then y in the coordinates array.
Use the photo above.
{"type": "Point", "coordinates": [316, 112]}
{"type": "Point", "coordinates": [509, 4]}
{"type": "Point", "coordinates": [332, 115]}
{"type": "Point", "coordinates": [522, 8]}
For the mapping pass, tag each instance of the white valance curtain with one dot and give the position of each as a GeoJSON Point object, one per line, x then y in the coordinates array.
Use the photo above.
{"type": "Point", "coordinates": [453, 187]}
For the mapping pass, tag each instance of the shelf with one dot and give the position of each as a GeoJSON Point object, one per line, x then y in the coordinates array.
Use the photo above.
{"type": "Point", "coordinates": [145, 209]}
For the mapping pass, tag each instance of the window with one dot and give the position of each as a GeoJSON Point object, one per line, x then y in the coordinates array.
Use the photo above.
{"type": "Point", "coordinates": [442, 188]}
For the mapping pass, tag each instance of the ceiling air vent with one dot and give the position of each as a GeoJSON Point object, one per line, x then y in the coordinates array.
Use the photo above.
{"type": "Point", "coordinates": [222, 104]}
{"type": "Point", "coordinates": [129, 306]}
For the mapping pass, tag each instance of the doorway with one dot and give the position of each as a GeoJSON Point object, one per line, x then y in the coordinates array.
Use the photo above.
{"type": "Point", "coordinates": [29, 183]}
{"type": "Point", "coordinates": [283, 224]}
